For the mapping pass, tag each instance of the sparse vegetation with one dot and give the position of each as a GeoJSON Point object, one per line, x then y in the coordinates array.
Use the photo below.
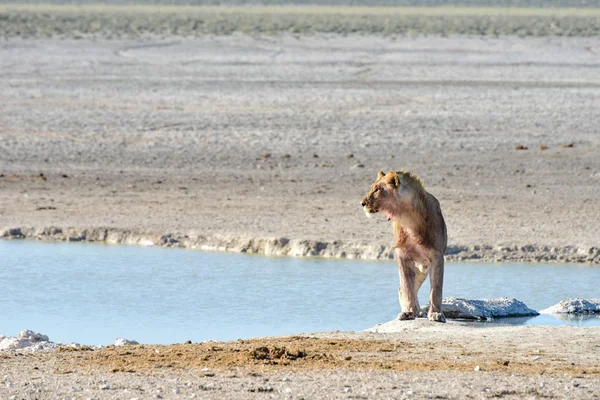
{"type": "Point", "coordinates": [112, 21]}
{"type": "Point", "coordinates": [368, 3]}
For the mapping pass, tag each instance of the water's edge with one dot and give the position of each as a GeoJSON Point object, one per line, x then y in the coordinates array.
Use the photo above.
{"type": "Point", "coordinates": [299, 247]}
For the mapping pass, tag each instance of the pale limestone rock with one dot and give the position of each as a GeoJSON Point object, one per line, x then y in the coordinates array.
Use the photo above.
{"type": "Point", "coordinates": [503, 307]}
{"type": "Point", "coordinates": [124, 342]}
{"type": "Point", "coordinates": [574, 306]}
{"type": "Point", "coordinates": [455, 308]}
{"type": "Point", "coordinates": [13, 343]}
{"type": "Point", "coordinates": [33, 336]}
{"type": "Point", "coordinates": [27, 341]}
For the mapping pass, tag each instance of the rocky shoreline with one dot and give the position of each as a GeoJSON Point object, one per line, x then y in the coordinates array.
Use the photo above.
{"type": "Point", "coordinates": [298, 247]}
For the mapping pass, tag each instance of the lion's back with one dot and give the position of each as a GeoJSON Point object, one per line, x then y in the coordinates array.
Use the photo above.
{"type": "Point", "coordinates": [437, 224]}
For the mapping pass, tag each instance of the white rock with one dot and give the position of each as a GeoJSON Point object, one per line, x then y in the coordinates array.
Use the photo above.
{"type": "Point", "coordinates": [477, 368]}
{"type": "Point", "coordinates": [574, 306]}
{"type": "Point", "coordinates": [454, 308]}
{"type": "Point", "coordinates": [13, 343]}
{"type": "Point", "coordinates": [484, 309]}
{"type": "Point", "coordinates": [33, 336]}
{"type": "Point", "coordinates": [27, 340]}
{"type": "Point", "coordinates": [123, 342]}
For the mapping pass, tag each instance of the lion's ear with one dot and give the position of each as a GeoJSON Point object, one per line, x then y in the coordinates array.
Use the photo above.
{"type": "Point", "coordinates": [392, 179]}
{"type": "Point", "coordinates": [380, 175]}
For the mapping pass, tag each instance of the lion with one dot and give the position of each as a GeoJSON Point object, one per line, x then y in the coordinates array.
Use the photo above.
{"type": "Point", "coordinates": [420, 238]}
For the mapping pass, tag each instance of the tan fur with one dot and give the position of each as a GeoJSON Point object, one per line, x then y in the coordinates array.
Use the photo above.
{"type": "Point", "coordinates": [420, 235]}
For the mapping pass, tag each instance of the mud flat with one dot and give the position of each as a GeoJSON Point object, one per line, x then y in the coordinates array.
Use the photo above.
{"type": "Point", "coordinates": [267, 144]}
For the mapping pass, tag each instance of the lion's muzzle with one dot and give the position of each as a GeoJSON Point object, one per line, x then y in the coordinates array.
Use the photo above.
{"type": "Point", "coordinates": [369, 211]}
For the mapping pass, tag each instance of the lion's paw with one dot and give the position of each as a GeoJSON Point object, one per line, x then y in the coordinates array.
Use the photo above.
{"type": "Point", "coordinates": [436, 317]}
{"type": "Point", "coordinates": [404, 316]}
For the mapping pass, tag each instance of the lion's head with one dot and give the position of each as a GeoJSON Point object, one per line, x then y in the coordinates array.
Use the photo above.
{"type": "Point", "coordinates": [383, 195]}
{"type": "Point", "coordinates": [388, 191]}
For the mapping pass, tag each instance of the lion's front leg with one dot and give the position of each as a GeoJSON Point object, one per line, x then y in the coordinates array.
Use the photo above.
{"type": "Point", "coordinates": [419, 279]}
{"type": "Point", "coordinates": [406, 290]}
{"type": "Point", "coordinates": [436, 278]}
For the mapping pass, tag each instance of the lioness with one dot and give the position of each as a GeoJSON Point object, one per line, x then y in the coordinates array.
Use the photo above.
{"type": "Point", "coordinates": [420, 234]}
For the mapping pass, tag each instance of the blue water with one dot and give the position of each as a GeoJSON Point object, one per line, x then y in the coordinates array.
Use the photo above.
{"type": "Point", "coordinates": [92, 293]}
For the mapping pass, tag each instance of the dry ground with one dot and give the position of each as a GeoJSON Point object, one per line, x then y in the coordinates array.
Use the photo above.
{"type": "Point", "coordinates": [425, 360]}
{"type": "Point", "coordinates": [281, 137]}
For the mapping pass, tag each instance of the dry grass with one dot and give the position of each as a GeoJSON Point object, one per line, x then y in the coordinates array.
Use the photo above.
{"type": "Point", "coordinates": [112, 21]}
{"type": "Point", "coordinates": [309, 9]}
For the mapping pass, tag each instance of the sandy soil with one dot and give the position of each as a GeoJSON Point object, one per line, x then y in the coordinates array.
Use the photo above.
{"type": "Point", "coordinates": [279, 137]}
{"type": "Point", "coordinates": [422, 360]}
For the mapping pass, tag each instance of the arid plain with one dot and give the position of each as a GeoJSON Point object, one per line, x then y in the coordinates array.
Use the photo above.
{"type": "Point", "coordinates": [238, 138]}
{"type": "Point", "coordinates": [266, 143]}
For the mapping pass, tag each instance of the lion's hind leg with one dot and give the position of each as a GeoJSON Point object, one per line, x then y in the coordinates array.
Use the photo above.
{"type": "Point", "coordinates": [436, 277]}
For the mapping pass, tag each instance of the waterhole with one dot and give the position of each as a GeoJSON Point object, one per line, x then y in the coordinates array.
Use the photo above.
{"type": "Point", "coordinates": [93, 293]}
